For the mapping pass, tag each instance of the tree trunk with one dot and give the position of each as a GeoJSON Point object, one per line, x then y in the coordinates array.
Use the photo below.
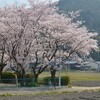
{"type": "Point", "coordinates": [22, 77]}
{"type": "Point", "coordinates": [1, 70]}
{"type": "Point", "coordinates": [36, 78]}
{"type": "Point", "coordinates": [53, 80]}
{"type": "Point", "coordinates": [0, 75]}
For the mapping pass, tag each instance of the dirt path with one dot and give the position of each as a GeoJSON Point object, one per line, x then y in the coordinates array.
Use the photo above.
{"type": "Point", "coordinates": [85, 95]}
{"type": "Point", "coordinates": [35, 90]}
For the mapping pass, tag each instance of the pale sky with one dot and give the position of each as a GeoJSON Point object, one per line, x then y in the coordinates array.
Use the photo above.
{"type": "Point", "coordinates": [9, 2]}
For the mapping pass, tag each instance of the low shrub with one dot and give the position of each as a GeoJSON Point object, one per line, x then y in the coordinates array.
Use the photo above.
{"type": "Point", "coordinates": [28, 80]}
{"type": "Point", "coordinates": [8, 77]}
{"type": "Point", "coordinates": [29, 76]}
{"type": "Point", "coordinates": [64, 81]}
{"type": "Point", "coordinates": [46, 81]}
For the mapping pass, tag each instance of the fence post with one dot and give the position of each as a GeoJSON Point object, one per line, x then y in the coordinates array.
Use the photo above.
{"type": "Point", "coordinates": [16, 79]}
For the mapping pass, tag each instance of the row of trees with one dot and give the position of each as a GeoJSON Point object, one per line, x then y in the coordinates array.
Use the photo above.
{"type": "Point", "coordinates": [40, 35]}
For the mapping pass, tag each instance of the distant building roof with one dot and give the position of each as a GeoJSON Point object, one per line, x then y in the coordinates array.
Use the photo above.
{"type": "Point", "coordinates": [70, 62]}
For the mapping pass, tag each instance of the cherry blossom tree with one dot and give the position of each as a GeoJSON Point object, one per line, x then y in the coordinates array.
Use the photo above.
{"type": "Point", "coordinates": [59, 33]}
{"type": "Point", "coordinates": [15, 27]}
{"type": "Point", "coordinates": [3, 58]}
{"type": "Point", "coordinates": [66, 37]}
{"type": "Point", "coordinates": [39, 34]}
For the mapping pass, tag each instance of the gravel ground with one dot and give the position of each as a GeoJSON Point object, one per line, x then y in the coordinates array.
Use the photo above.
{"type": "Point", "coordinates": [64, 96]}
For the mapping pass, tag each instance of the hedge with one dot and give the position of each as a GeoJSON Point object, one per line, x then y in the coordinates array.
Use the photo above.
{"type": "Point", "coordinates": [8, 77]}
{"type": "Point", "coordinates": [64, 81]}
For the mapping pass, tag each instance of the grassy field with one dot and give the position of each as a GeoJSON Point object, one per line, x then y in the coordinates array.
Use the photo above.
{"type": "Point", "coordinates": [77, 75]}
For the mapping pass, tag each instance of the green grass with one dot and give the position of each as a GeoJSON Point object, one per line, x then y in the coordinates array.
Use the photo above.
{"type": "Point", "coordinates": [5, 95]}
{"type": "Point", "coordinates": [76, 75]}
{"type": "Point", "coordinates": [84, 76]}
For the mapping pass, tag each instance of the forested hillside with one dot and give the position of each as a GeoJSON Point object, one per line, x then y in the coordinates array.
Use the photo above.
{"type": "Point", "coordinates": [90, 11]}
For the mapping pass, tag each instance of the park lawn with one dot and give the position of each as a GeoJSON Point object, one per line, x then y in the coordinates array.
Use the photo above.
{"type": "Point", "coordinates": [76, 76]}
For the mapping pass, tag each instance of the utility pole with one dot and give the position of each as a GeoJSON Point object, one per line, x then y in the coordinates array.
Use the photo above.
{"type": "Point", "coordinates": [59, 69]}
